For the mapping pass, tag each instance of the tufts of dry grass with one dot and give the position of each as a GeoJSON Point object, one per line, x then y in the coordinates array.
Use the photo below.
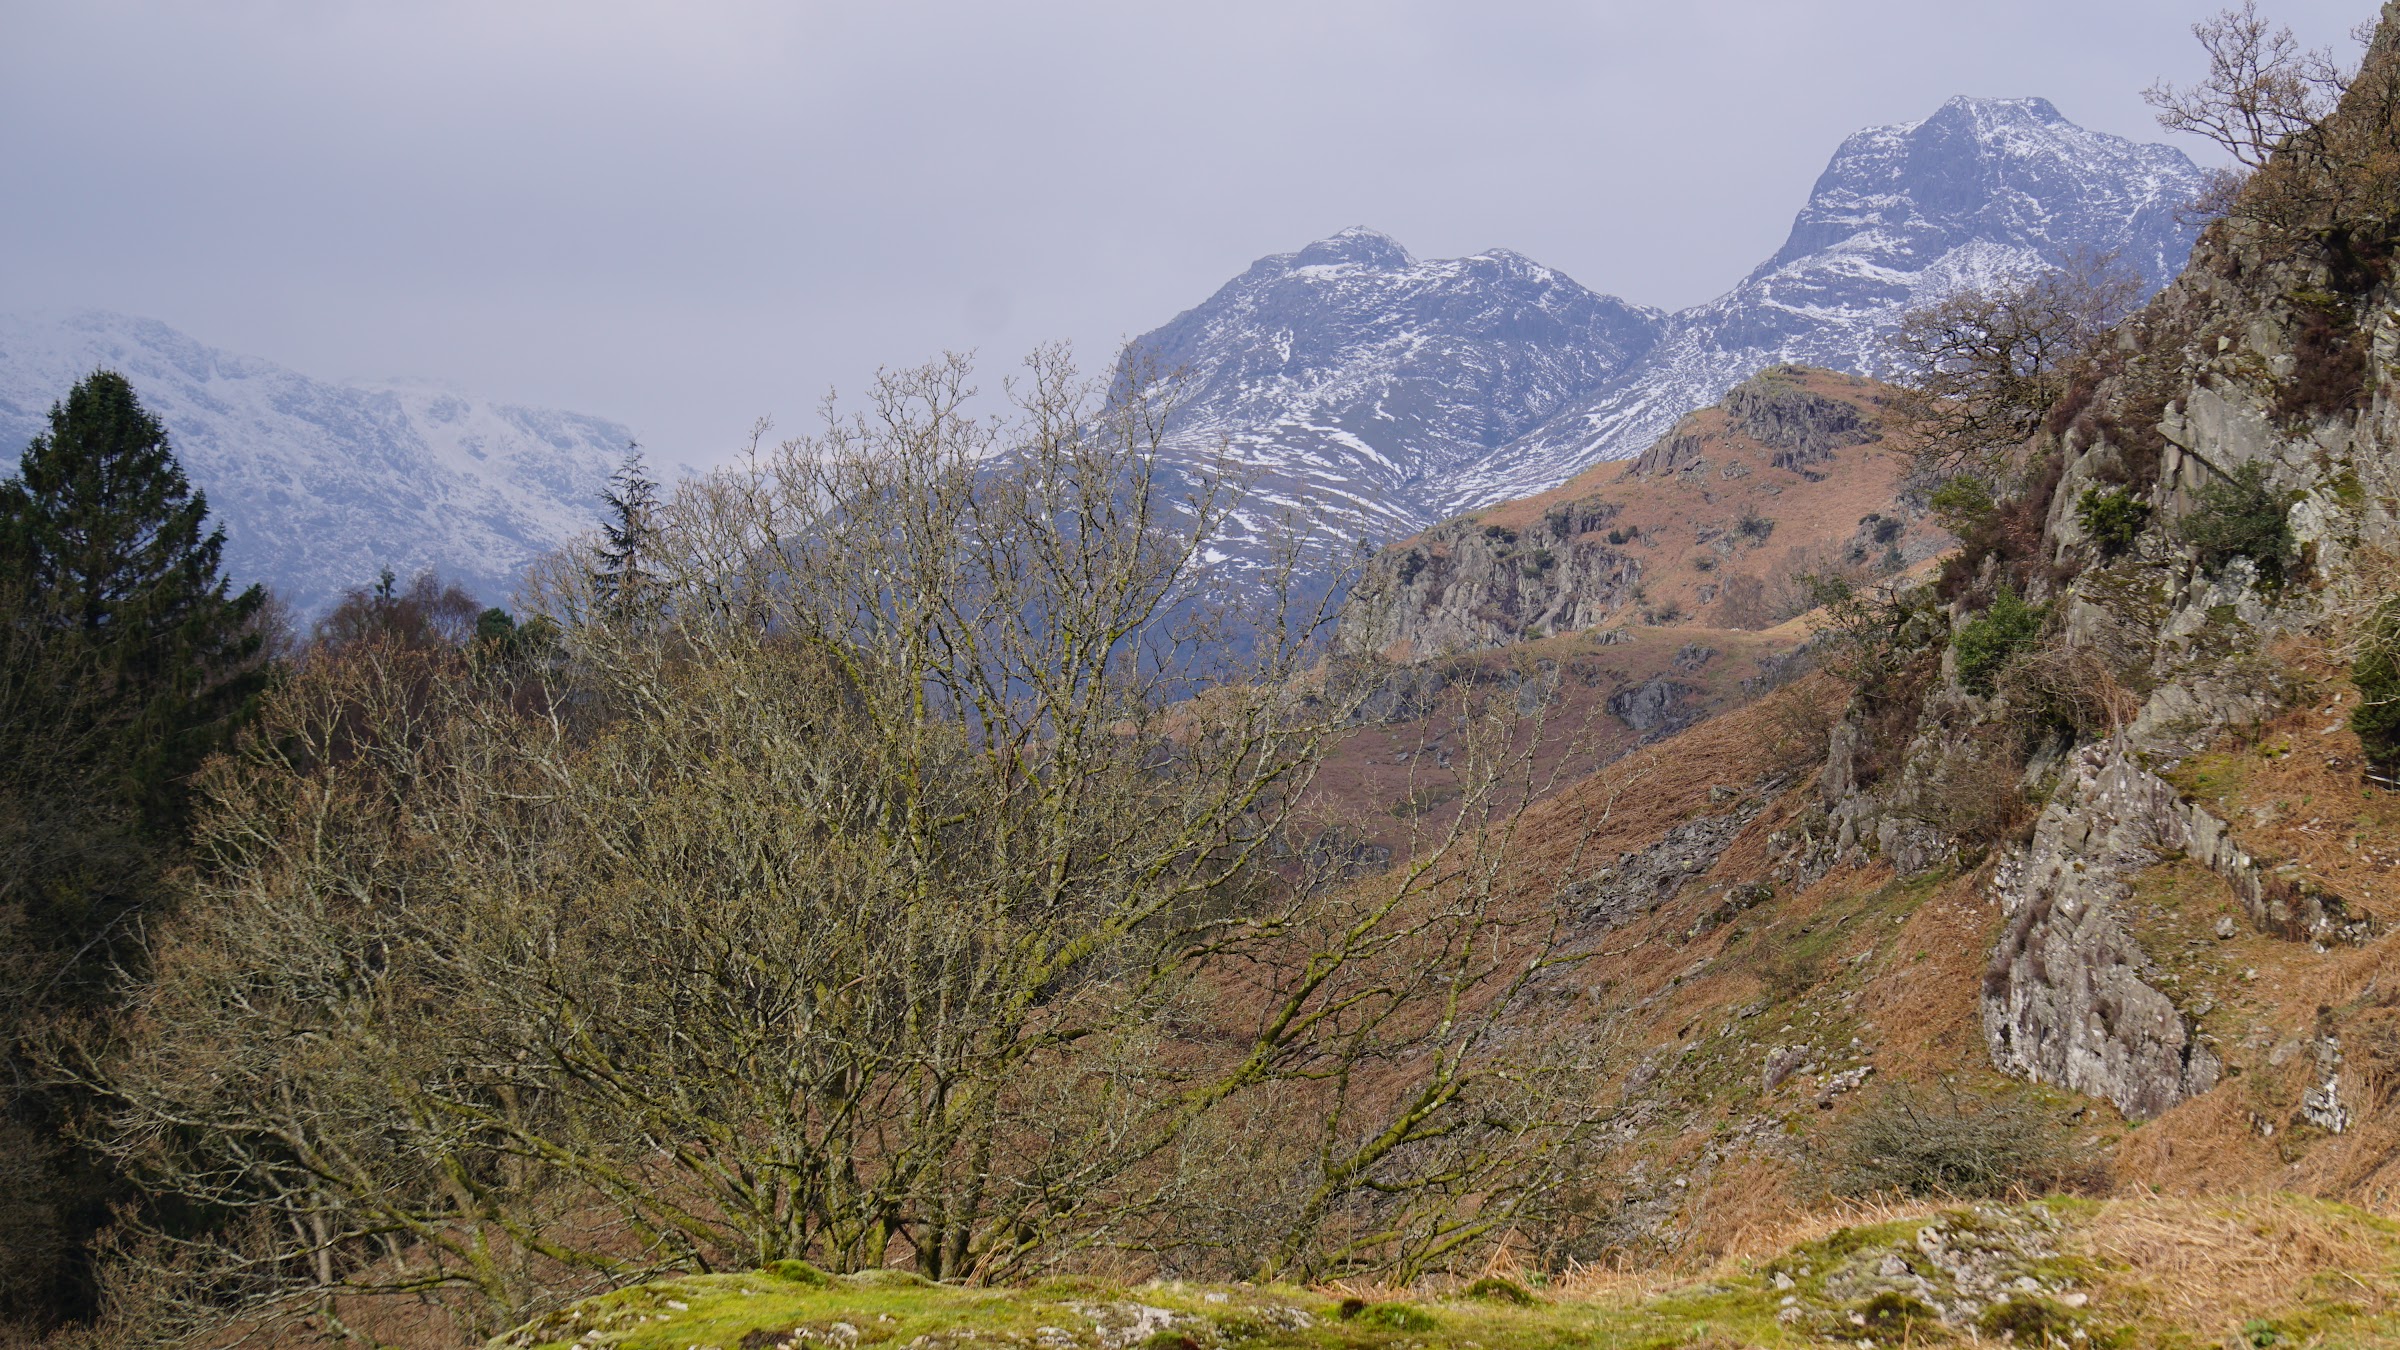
{"type": "Point", "coordinates": [2214, 1263]}
{"type": "Point", "coordinates": [2196, 1266]}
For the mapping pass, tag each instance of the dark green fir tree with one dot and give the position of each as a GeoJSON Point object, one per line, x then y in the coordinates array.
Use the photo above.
{"type": "Point", "coordinates": [624, 579]}
{"type": "Point", "coordinates": [124, 661]}
{"type": "Point", "coordinates": [119, 576]}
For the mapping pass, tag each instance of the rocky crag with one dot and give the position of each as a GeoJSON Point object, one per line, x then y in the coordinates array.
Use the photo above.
{"type": "Point", "coordinates": [2073, 817]}
{"type": "Point", "coordinates": [2259, 382]}
{"type": "Point", "coordinates": [1714, 525]}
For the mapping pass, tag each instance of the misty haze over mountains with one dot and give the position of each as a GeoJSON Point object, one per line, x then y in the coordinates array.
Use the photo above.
{"type": "Point", "coordinates": [1372, 391]}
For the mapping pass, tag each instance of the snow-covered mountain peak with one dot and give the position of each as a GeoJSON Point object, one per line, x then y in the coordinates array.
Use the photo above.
{"type": "Point", "coordinates": [1983, 189]}
{"type": "Point", "coordinates": [1996, 170]}
{"type": "Point", "coordinates": [1387, 392]}
{"type": "Point", "coordinates": [1345, 377]}
{"type": "Point", "coordinates": [321, 485]}
{"type": "Point", "coordinates": [1991, 113]}
{"type": "Point", "coordinates": [1357, 246]}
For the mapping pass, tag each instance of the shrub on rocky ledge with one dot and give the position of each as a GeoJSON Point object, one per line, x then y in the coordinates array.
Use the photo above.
{"type": "Point", "coordinates": [2241, 517]}
{"type": "Point", "coordinates": [1986, 642]}
{"type": "Point", "coordinates": [2112, 520]}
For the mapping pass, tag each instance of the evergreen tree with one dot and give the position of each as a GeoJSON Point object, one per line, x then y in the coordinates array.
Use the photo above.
{"type": "Point", "coordinates": [123, 662]}
{"type": "Point", "coordinates": [117, 575]}
{"type": "Point", "coordinates": [625, 575]}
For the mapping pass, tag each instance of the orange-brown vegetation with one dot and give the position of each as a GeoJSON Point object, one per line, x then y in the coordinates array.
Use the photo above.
{"type": "Point", "coordinates": [1683, 504]}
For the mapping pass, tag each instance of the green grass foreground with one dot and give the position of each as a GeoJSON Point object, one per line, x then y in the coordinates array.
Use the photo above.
{"type": "Point", "coordinates": [1986, 1274]}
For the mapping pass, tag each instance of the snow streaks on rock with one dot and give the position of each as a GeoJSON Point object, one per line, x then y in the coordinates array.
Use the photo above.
{"type": "Point", "coordinates": [322, 485]}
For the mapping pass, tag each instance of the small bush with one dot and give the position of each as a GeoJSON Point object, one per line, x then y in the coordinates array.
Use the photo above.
{"type": "Point", "coordinates": [2240, 517]}
{"type": "Point", "coordinates": [1790, 974]}
{"type": "Point", "coordinates": [798, 1272]}
{"type": "Point", "coordinates": [1872, 636]}
{"type": "Point", "coordinates": [1920, 1143]}
{"type": "Point", "coordinates": [1963, 503]}
{"type": "Point", "coordinates": [2112, 520]}
{"type": "Point", "coordinates": [1395, 1317]}
{"type": "Point", "coordinates": [1892, 1315]}
{"type": "Point", "coordinates": [1797, 730]}
{"type": "Point", "coordinates": [2376, 673]}
{"type": "Point", "coordinates": [2012, 531]}
{"type": "Point", "coordinates": [2329, 370]}
{"type": "Point", "coordinates": [1493, 1289]}
{"type": "Point", "coordinates": [1971, 792]}
{"type": "Point", "coordinates": [2057, 687]}
{"type": "Point", "coordinates": [1986, 642]}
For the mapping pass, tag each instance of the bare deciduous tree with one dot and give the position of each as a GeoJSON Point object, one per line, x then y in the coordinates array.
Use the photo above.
{"type": "Point", "coordinates": [916, 883]}
{"type": "Point", "coordinates": [2318, 142]}
{"type": "Point", "coordinates": [2262, 89]}
{"type": "Point", "coordinates": [1984, 365]}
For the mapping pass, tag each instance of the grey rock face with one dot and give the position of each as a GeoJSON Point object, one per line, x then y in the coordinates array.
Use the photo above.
{"type": "Point", "coordinates": [1640, 881]}
{"type": "Point", "coordinates": [2071, 998]}
{"type": "Point", "coordinates": [321, 485]}
{"type": "Point", "coordinates": [1654, 708]}
{"type": "Point", "coordinates": [1802, 428]}
{"type": "Point", "coordinates": [1466, 587]}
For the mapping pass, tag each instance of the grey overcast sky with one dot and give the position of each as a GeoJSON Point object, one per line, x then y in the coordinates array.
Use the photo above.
{"type": "Point", "coordinates": [688, 214]}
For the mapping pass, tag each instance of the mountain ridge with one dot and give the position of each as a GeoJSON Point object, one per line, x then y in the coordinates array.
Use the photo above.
{"type": "Point", "coordinates": [1349, 371]}
{"type": "Point", "coordinates": [1981, 190]}
{"type": "Point", "coordinates": [319, 484]}
{"type": "Point", "coordinates": [1978, 190]}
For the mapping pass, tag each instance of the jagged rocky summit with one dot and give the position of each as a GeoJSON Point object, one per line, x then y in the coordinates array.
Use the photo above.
{"type": "Point", "coordinates": [1381, 393]}
{"type": "Point", "coordinates": [322, 485]}
{"type": "Point", "coordinates": [1352, 381]}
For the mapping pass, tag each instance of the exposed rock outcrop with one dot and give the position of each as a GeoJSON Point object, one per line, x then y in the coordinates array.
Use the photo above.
{"type": "Point", "coordinates": [1656, 707]}
{"type": "Point", "coordinates": [1711, 525]}
{"type": "Point", "coordinates": [2071, 998]}
{"type": "Point", "coordinates": [1465, 586]}
{"type": "Point", "coordinates": [1640, 881]}
{"type": "Point", "coordinates": [1802, 428]}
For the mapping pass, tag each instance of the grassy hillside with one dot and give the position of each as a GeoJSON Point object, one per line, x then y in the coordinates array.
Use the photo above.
{"type": "Point", "coordinates": [2120, 1273]}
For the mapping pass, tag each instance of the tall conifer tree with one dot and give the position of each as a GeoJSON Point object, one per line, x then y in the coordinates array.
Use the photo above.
{"type": "Point", "coordinates": [626, 571]}
{"type": "Point", "coordinates": [119, 573]}
{"type": "Point", "coordinates": [124, 661]}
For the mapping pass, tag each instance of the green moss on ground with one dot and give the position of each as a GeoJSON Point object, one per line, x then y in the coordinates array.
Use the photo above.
{"type": "Point", "coordinates": [2023, 1274]}
{"type": "Point", "coordinates": [1924, 1279]}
